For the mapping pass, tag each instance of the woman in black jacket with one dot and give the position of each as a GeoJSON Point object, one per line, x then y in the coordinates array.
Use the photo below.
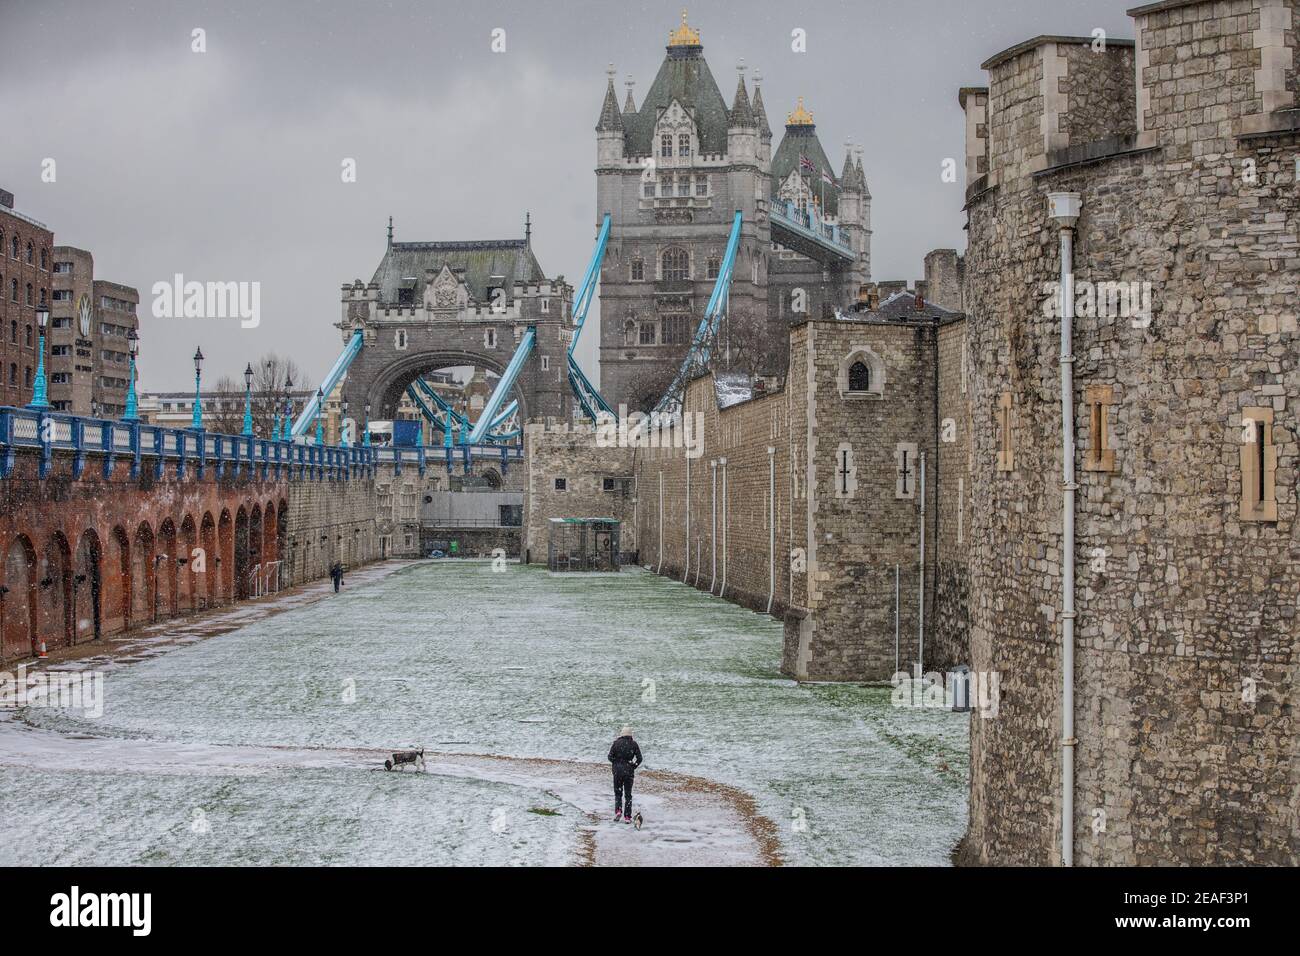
{"type": "Point", "coordinates": [625, 755]}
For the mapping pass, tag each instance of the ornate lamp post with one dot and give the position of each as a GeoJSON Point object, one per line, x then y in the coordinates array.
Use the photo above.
{"type": "Point", "coordinates": [39, 399]}
{"type": "Point", "coordinates": [196, 419]}
{"type": "Point", "coordinates": [365, 435]}
{"type": "Point", "coordinates": [248, 401]}
{"type": "Point", "coordinates": [320, 425]}
{"type": "Point", "coordinates": [131, 413]}
{"type": "Point", "coordinates": [288, 408]}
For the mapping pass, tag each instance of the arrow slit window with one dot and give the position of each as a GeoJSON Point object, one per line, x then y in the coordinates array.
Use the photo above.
{"type": "Point", "coordinates": [1006, 453]}
{"type": "Point", "coordinates": [1258, 465]}
{"type": "Point", "coordinates": [1099, 456]}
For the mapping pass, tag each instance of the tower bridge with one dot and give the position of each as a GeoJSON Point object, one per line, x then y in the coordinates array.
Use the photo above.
{"type": "Point", "coordinates": [672, 172]}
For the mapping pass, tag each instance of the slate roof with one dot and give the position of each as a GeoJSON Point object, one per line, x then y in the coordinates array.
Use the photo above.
{"type": "Point", "coordinates": [684, 76]}
{"type": "Point", "coordinates": [801, 140]}
{"type": "Point", "coordinates": [405, 263]}
{"type": "Point", "coordinates": [902, 305]}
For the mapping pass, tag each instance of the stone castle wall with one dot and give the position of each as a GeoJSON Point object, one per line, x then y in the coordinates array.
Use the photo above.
{"type": "Point", "coordinates": [556, 452]}
{"type": "Point", "coordinates": [794, 506]}
{"type": "Point", "coordinates": [1187, 602]}
{"type": "Point", "coordinates": [713, 520]}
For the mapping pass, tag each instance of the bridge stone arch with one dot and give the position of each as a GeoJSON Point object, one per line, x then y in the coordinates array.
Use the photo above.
{"type": "Point", "coordinates": [432, 305]}
{"type": "Point", "coordinates": [387, 384]}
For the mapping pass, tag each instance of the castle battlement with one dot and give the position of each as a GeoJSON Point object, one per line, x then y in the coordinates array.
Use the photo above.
{"type": "Point", "coordinates": [1198, 75]}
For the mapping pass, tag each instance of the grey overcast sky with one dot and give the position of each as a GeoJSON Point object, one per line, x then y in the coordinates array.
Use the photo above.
{"type": "Point", "coordinates": [225, 165]}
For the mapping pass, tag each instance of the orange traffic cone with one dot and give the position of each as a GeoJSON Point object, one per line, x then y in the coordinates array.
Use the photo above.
{"type": "Point", "coordinates": [42, 655]}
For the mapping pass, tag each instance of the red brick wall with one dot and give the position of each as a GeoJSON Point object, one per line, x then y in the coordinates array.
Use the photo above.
{"type": "Point", "coordinates": [17, 316]}
{"type": "Point", "coordinates": [57, 529]}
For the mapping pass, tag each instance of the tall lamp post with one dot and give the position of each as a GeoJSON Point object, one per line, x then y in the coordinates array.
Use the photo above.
{"type": "Point", "coordinates": [39, 399]}
{"type": "Point", "coordinates": [131, 413]}
{"type": "Point", "coordinates": [248, 401]}
{"type": "Point", "coordinates": [196, 418]}
{"type": "Point", "coordinates": [288, 407]}
{"type": "Point", "coordinates": [320, 427]}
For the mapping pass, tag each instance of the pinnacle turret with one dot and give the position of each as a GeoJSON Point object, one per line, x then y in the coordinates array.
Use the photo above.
{"type": "Point", "coordinates": [610, 117]}
{"type": "Point", "coordinates": [742, 114]}
{"type": "Point", "coordinates": [760, 112]}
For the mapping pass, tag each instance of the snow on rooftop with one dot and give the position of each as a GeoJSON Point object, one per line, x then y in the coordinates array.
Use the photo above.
{"type": "Point", "coordinates": [732, 388]}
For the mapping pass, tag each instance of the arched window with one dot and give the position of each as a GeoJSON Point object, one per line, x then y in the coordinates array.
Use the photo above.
{"type": "Point", "coordinates": [859, 377]}
{"type": "Point", "coordinates": [629, 331]}
{"type": "Point", "coordinates": [666, 146]}
{"type": "Point", "coordinates": [683, 144]}
{"type": "Point", "coordinates": [29, 254]}
{"type": "Point", "coordinates": [13, 332]}
{"type": "Point", "coordinates": [862, 375]}
{"type": "Point", "coordinates": [715, 266]}
{"type": "Point", "coordinates": [29, 336]}
{"type": "Point", "coordinates": [677, 264]}
{"type": "Point", "coordinates": [29, 293]}
{"type": "Point", "coordinates": [45, 259]}
{"type": "Point", "coordinates": [13, 373]}
{"type": "Point", "coordinates": [13, 248]}
{"type": "Point", "coordinates": [13, 290]}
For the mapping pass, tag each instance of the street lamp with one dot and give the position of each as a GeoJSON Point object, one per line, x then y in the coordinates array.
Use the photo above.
{"type": "Point", "coordinates": [133, 348]}
{"type": "Point", "coordinates": [196, 418]}
{"type": "Point", "coordinates": [248, 401]}
{"type": "Point", "coordinates": [39, 400]}
{"type": "Point", "coordinates": [343, 425]}
{"type": "Point", "coordinates": [365, 435]}
{"type": "Point", "coordinates": [288, 407]}
{"type": "Point", "coordinates": [320, 428]}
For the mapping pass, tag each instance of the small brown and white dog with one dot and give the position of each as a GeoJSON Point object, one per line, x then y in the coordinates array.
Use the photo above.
{"type": "Point", "coordinates": [636, 820]}
{"type": "Point", "coordinates": [403, 757]}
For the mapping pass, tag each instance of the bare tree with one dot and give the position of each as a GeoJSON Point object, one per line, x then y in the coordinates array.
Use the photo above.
{"type": "Point", "coordinates": [223, 407]}
{"type": "Point", "coordinates": [271, 377]}
{"type": "Point", "coordinates": [752, 345]}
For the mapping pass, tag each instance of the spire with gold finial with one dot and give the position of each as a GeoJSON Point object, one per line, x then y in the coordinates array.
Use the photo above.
{"type": "Point", "coordinates": [684, 35]}
{"type": "Point", "coordinates": [800, 116]}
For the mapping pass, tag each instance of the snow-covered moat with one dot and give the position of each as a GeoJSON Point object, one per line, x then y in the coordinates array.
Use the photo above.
{"type": "Point", "coordinates": [255, 746]}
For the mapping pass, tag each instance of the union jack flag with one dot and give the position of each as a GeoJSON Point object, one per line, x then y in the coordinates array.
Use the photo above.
{"type": "Point", "coordinates": [807, 165]}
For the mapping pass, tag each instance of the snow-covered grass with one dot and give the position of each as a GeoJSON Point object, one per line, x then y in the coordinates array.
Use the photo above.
{"type": "Point", "coordinates": [458, 658]}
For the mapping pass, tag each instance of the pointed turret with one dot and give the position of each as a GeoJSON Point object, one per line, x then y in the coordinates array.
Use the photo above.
{"type": "Point", "coordinates": [742, 114]}
{"type": "Point", "coordinates": [609, 130]}
{"type": "Point", "coordinates": [760, 112]}
{"type": "Point", "coordinates": [630, 105]}
{"type": "Point", "coordinates": [610, 117]}
{"type": "Point", "coordinates": [862, 176]}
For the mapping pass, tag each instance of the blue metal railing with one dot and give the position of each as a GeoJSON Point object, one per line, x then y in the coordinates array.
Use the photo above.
{"type": "Point", "coordinates": [811, 226]}
{"type": "Point", "coordinates": [156, 446]}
